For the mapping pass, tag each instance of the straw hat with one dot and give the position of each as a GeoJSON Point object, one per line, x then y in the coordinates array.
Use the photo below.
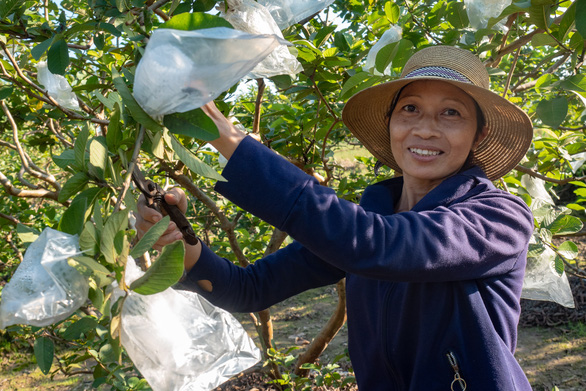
{"type": "Point", "coordinates": [509, 128]}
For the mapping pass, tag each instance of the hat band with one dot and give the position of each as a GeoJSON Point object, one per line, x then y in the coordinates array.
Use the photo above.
{"type": "Point", "coordinates": [443, 72]}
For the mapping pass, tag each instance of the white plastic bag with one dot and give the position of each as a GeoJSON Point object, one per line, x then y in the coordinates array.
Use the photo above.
{"type": "Point", "coordinates": [480, 11]}
{"type": "Point", "coordinates": [289, 12]}
{"type": "Point", "coordinates": [57, 86]}
{"type": "Point", "coordinates": [253, 18]}
{"type": "Point", "coordinates": [44, 289]}
{"type": "Point", "coordinates": [393, 34]}
{"type": "Point", "coordinates": [183, 70]}
{"type": "Point", "coordinates": [542, 281]}
{"type": "Point", "coordinates": [179, 341]}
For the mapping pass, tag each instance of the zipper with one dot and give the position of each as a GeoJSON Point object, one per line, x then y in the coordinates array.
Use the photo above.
{"type": "Point", "coordinates": [458, 381]}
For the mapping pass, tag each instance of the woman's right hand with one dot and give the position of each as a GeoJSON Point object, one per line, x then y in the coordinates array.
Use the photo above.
{"type": "Point", "coordinates": [147, 217]}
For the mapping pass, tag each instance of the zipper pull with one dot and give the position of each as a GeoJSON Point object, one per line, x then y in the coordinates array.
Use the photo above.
{"type": "Point", "coordinates": [457, 378]}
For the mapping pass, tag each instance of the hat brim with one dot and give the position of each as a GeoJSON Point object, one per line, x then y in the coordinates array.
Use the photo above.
{"type": "Point", "coordinates": [510, 131]}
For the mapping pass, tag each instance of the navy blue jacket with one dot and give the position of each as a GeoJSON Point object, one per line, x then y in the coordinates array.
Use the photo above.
{"type": "Point", "coordinates": [443, 278]}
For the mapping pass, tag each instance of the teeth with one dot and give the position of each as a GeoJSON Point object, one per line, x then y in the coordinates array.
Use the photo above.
{"type": "Point", "coordinates": [424, 152]}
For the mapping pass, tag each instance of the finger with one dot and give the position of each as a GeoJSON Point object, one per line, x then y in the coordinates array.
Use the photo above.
{"type": "Point", "coordinates": [176, 196]}
{"type": "Point", "coordinates": [145, 212]}
{"type": "Point", "coordinates": [166, 239]}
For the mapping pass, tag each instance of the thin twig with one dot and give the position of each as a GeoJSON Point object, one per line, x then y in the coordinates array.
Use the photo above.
{"type": "Point", "coordinates": [257, 106]}
{"type": "Point", "coordinates": [131, 165]}
{"type": "Point", "coordinates": [534, 174]}
{"type": "Point", "coordinates": [513, 66]}
{"type": "Point", "coordinates": [23, 156]}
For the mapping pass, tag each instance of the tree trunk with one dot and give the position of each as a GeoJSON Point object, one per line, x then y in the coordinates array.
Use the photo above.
{"type": "Point", "coordinates": [328, 332]}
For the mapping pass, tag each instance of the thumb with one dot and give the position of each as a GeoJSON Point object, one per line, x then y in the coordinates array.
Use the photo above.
{"type": "Point", "coordinates": [176, 196]}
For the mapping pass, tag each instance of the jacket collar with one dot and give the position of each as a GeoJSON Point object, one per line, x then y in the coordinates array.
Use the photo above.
{"type": "Point", "coordinates": [461, 185]}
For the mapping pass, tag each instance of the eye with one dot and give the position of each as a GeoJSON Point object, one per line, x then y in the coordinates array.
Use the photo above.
{"type": "Point", "coordinates": [409, 108]}
{"type": "Point", "coordinates": [452, 112]}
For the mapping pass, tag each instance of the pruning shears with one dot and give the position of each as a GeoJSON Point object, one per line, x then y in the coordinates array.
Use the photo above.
{"type": "Point", "coordinates": [155, 198]}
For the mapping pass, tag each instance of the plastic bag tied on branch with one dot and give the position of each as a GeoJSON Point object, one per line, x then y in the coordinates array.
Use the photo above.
{"type": "Point", "coordinates": [183, 70]}
{"type": "Point", "coordinates": [542, 281]}
{"type": "Point", "coordinates": [57, 86]}
{"type": "Point", "coordinates": [393, 34]}
{"type": "Point", "coordinates": [288, 12]}
{"type": "Point", "coordinates": [253, 18]}
{"type": "Point", "coordinates": [44, 289]}
{"type": "Point", "coordinates": [480, 11]}
{"type": "Point", "coordinates": [179, 341]}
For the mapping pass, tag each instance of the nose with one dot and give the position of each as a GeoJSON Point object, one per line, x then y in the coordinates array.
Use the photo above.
{"type": "Point", "coordinates": [426, 127]}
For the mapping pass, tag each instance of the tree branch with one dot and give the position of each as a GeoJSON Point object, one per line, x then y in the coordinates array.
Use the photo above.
{"type": "Point", "coordinates": [25, 159]}
{"type": "Point", "coordinates": [328, 332]}
{"type": "Point", "coordinates": [534, 174]}
{"type": "Point", "coordinates": [11, 220]}
{"type": "Point", "coordinates": [225, 224]}
{"type": "Point", "coordinates": [41, 193]}
{"type": "Point", "coordinates": [131, 165]}
{"type": "Point", "coordinates": [257, 106]}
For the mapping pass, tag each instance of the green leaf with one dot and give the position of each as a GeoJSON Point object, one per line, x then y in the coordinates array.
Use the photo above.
{"type": "Point", "coordinates": [76, 214]}
{"type": "Point", "coordinates": [136, 111]}
{"type": "Point", "coordinates": [66, 159]}
{"type": "Point", "coordinates": [44, 349]}
{"type": "Point", "coordinates": [164, 273]}
{"type": "Point", "coordinates": [457, 15]}
{"type": "Point", "coordinates": [539, 15]}
{"type": "Point", "coordinates": [195, 21]}
{"type": "Point", "coordinates": [576, 83]}
{"type": "Point", "coordinates": [581, 17]}
{"type": "Point", "coordinates": [40, 49]}
{"type": "Point", "coordinates": [203, 5]}
{"type": "Point", "coordinates": [323, 34]}
{"type": "Point", "coordinates": [26, 234]}
{"type": "Point", "coordinates": [89, 239]}
{"type": "Point", "coordinates": [89, 267]}
{"type": "Point", "coordinates": [351, 84]}
{"type": "Point", "coordinates": [98, 158]}
{"type": "Point", "coordinates": [114, 136]}
{"type": "Point", "coordinates": [559, 265]}
{"type": "Point", "coordinates": [193, 163]}
{"type": "Point", "coordinates": [568, 250]}
{"type": "Point", "coordinates": [58, 57]}
{"type": "Point", "coordinates": [565, 225]}
{"type": "Point", "coordinates": [110, 28]}
{"type": "Point", "coordinates": [150, 238]}
{"type": "Point", "coordinates": [194, 123]}
{"type": "Point", "coordinates": [543, 39]}
{"type": "Point", "coordinates": [392, 12]}
{"type": "Point", "coordinates": [553, 112]}
{"type": "Point", "coordinates": [8, 6]}
{"type": "Point", "coordinates": [116, 222]}
{"type": "Point", "coordinates": [6, 92]}
{"type": "Point", "coordinates": [79, 328]}
{"type": "Point", "coordinates": [79, 147]}
{"type": "Point", "coordinates": [73, 185]}
{"type": "Point", "coordinates": [396, 53]}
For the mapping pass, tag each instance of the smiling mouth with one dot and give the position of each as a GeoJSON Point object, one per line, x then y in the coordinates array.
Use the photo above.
{"type": "Point", "coordinates": [424, 152]}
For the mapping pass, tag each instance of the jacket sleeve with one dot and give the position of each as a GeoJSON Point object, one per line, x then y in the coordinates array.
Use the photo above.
{"type": "Point", "coordinates": [482, 236]}
{"type": "Point", "coordinates": [285, 273]}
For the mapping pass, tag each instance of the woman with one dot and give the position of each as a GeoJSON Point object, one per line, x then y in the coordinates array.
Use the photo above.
{"type": "Point", "coordinates": [433, 259]}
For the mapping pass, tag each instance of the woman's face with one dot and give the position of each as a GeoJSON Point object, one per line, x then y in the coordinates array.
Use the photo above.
{"type": "Point", "coordinates": [433, 130]}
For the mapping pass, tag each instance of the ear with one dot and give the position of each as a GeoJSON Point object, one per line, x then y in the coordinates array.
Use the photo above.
{"type": "Point", "coordinates": [480, 138]}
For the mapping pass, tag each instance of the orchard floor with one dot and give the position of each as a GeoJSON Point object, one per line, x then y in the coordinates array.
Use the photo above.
{"type": "Point", "coordinates": [550, 356]}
